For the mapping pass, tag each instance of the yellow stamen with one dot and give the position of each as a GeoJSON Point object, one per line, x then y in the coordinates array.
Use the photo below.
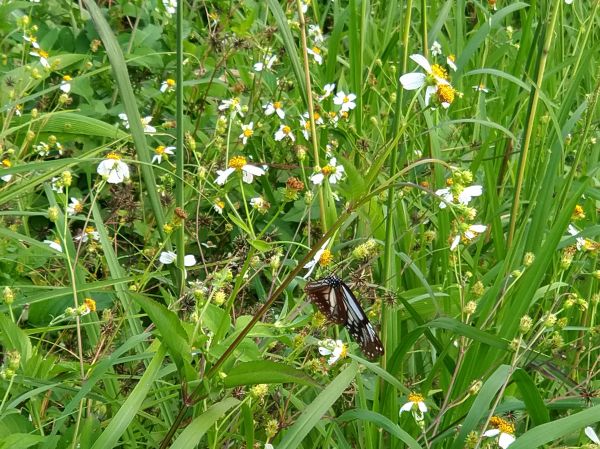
{"type": "Point", "coordinates": [346, 99]}
{"type": "Point", "coordinates": [170, 82]}
{"type": "Point", "coordinates": [237, 162]}
{"type": "Point", "coordinates": [113, 156]}
{"type": "Point", "coordinates": [452, 58]}
{"type": "Point", "coordinates": [439, 71]}
{"type": "Point", "coordinates": [286, 130]}
{"type": "Point", "coordinates": [6, 163]}
{"type": "Point", "coordinates": [78, 207]}
{"type": "Point", "coordinates": [327, 170]}
{"type": "Point", "coordinates": [89, 229]}
{"type": "Point", "coordinates": [90, 304]}
{"type": "Point", "coordinates": [578, 212]}
{"type": "Point", "coordinates": [502, 425]}
{"type": "Point", "coordinates": [67, 78]}
{"type": "Point", "coordinates": [326, 258]}
{"type": "Point", "coordinates": [42, 53]}
{"type": "Point", "coordinates": [317, 116]}
{"type": "Point", "coordinates": [160, 150]}
{"type": "Point", "coordinates": [277, 105]}
{"type": "Point", "coordinates": [248, 132]}
{"type": "Point", "coordinates": [445, 93]}
{"type": "Point", "coordinates": [415, 397]}
{"type": "Point", "coordinates": [220, 204]}
{"type": "Point", "coordinates": [316, 50]}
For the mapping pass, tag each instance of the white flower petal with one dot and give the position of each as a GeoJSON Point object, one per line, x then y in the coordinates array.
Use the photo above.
{"type": "Point", "coordinates": [222, 175]}
{"type": "Point", "coordinates": [428, 93]}
{"type": "Point", "coordinates": [406, 407]}
{"type": "Point", "coordinates": [491, 433]}
{"type": "Point", "coordinates": [189, 260]}
{"type": "Point", "coordinates": [413, 80]}
{"type": "Point", "coordinates": [455, 242]}
{"type": "Point", "coordinates": [422, 406]}
{"type": "Point", "coordinates": [167, 257]}
{"type": "Point", "coordinates": [505, 440]}
{"type": "Point", "coordinates": [592, 435]}
{"type": "Point", "coordinates": [478, 228]}
{"type": "Point", "coordinates": [422, 61]}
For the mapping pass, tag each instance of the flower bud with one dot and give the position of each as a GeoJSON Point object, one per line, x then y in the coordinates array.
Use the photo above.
{"type": "Point", "coordinates": [525, 324]}
{"type": "Point", "coordinates": [53, 214]}
{"type": "Point", "coordinates": [528, 259]}
{"type": "Point", "coordinates": [8, 295]}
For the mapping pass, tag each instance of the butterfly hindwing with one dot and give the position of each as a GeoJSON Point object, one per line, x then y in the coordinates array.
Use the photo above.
{"type": "Point", "coordinates": [323, 294]}
{"type": "Point", "coordinates": [337, 302]}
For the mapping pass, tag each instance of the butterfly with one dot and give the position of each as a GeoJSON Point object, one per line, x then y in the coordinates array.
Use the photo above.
{"type": "Point", "coordinates": [337, 302]}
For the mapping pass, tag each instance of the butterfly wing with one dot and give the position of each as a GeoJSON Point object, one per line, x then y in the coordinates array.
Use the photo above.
{"type": "Point", "coordinates": [324, 295]}
{"type": "Point", "coordinates": [358, 324]}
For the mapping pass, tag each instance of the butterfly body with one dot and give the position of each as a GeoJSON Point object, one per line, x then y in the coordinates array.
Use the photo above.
{"type": "Point", "coordinates": [336, 301]}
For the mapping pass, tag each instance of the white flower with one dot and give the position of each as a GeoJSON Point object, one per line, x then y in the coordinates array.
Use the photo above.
{"type": "Point", "coordinates": [161, 151]}
{"type": "Point", "coordinates": [32, 40]}
{"type": "Point", "coordinates": [568, 2]}
{"type": "Point", "coordinates": [316, 54]}
{"type": "Point", "coordinates": [65, 84]}
{"type": "Point", "coordinates": [436, 49]}
{"type": "Point", "coordinates": [74, 207]}
{"type": "Point", "coordinates": [346, 101]}
{"type": "Point", "coordinates": [503, 429]}
{"type": "Point", "coordinates": [57, 184]}
{"type": "Point", "coordinates": [218, 206]}
{"type": "Point", "coordinates": [327, 91]}
{"type": "Point", "coordinates": [580, 241]}
{"type": "Point", "coordinates": [481, 88]}
{"type": "Point", "coordinates": [54, 244]}
{"type": "Point", "coordinates": [416, 80]}
{"type": "Point", "coordinates": [416, 405]}
{"type": "Point", "coordinates": [170, 6]}
{"type": "Point", "coordinates": [464, 197]}
{"type": "Point", "coordinates": [334, 348]}
{"type": "Point", "coordinates": [269, 446]}
{"type": "Point", "coordinates": [283, 132]}
{"type": "Point", "coordinates": [168, 257]}
{"type": "Point", "coordinates": [332, 171]}
{"type": "Point", "coordinates": [451, 61]}
{"type": "Point", "coordinates": [247, 132]}
{"type": "Point", "coordinates": [315, 32]}
{"type": "Point", "coordinates": [260, 204]}
{"type": "Point", "coordinates": [239, 163]}
{"type": "Point", "coordinates": [113, 169]}
{"type": "Point", "coordinates": [145, 122]}
{"type": "Point", "coordinates": [167, 85]}
{"type": "Point", "coordinates": [43, 55]}
{"type": "Point", "coordinates": [589, 431]}
{"type": "Point", "coordinates": [267, 63]}
{"type": "Point", "coordinates": [468, 234]}
{"type": "Point", "coordinates": [86, 234]}
{"type": "Point", "coordinates": [274, 108]}
{"type": "Point", "coordinates": [310, 266]}
{"type": "Point", "coordinates": [233, 105]}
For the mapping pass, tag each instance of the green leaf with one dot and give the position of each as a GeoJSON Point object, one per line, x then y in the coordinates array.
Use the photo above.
{"type": "Point", "coordinates": [260, 245]}
{"type": "Point", "coordinates": [383, 423]}
{"type": "Point", "coordinates": [313, 413]}
{"type": "Point", "coordinates": [132, 405]}
{"type": "Point", "coordinates": [531, 397]}
{"type": "Point", "coordinates": [266, 372]}
{"type": "Point", "coordinates": [559, 428]}
{"type": "Point", "coordinates": [195, 430]}
{"type": "Point", "coordinates": [13, 338]}
{"type": "Point", "coordinates": [172, 334]}
{"type": "Point", "coordinates": [481, 405]}
{"type": "Point", "coordinates": [468, 331]}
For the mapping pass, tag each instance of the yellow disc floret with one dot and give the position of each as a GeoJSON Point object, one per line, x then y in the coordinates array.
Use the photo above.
{"type": "Point", "coordinates": [415, 397]}
{"type": "Point", "coordinates": [326, 258]}
{"type": "Point", "coordinates": [439, 71]}
{"type": "Point", "coordinates": [445, 93]}
{"type": "Point", "coordinates": [237, 162]}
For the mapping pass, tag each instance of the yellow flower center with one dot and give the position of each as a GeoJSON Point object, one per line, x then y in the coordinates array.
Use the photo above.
{"type": "Point", "coordinates": [344, 114]}
{"type": "Point", "coordinates": [170, 82]}
{"type": "Point", "coordinates": [307, 125]}
{"type": "Point", "coordinates": [78, 207]}
{"type": "Point", "coordinates": [317, 116]}
{"type": "Point", "coordinates": [220, 204]}
{"type": "Point", "coordinates": [235, 101]}
{"type": "Point", "coordinates": [578, 212]}
{"type": "Point", "coordinates": [6, 163]}
{"type": "Point", "coordinates": [439, 71]}
{"type": "Point", "coordinates": [160, 150]}
{"type": "Point", "coordinates": [57, 241]}
{"type": "Point", "coordinates": [344, 352]}
{"type": "Point", "coordinates": [90, 304]}
{"type": "Point", "coordinates": [502, 425]}
{"type": "Point", "coordinates": [346, 99]}
{"type": "Point", "coordinates": [452, 58]}
{"type": "Point", "coordinates": [67, 78]}
{"type": "Point", "coordinates": [286, 130]}
{"type": "Point", "coordinates": [316, 50]}
{"type": "Point", "coordinates": [89, 229]}
{"type": "Point", "coordinates": [113, 156]}
{"type": "Point", "coordinates": [277, 105]}
{"type": "Point", "coordinates": [415, 397]}
{"type": "Point", "coordinates": [332, 114]}
{"type": "Point", "coordinates": [42, 53]}
{"type": "Point", "coordinates": [237, 162]}
{"type": "Point", "coordinates": [326, 258]}
{"type": "Point", "coordinates": [445, 93]}
{"type": "Point", "coordinates": [327, 170]}
{"type": "Point", "coordinates": [248, 132]}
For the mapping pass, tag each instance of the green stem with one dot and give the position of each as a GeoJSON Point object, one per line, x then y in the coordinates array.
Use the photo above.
{"type": "Point", "coordinates": [530, 124]}
{"type": "Point", "coordinates": [179, 149]}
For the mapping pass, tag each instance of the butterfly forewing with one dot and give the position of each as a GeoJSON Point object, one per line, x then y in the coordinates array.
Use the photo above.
{"type": "Point", "coordinates": [337, 302]}
{"type": "Point", "coordinates": [359, 325]}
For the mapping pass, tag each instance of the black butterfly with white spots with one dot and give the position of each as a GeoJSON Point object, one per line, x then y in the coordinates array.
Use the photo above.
{"type": "Point", "coordinates": [337, 302]}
